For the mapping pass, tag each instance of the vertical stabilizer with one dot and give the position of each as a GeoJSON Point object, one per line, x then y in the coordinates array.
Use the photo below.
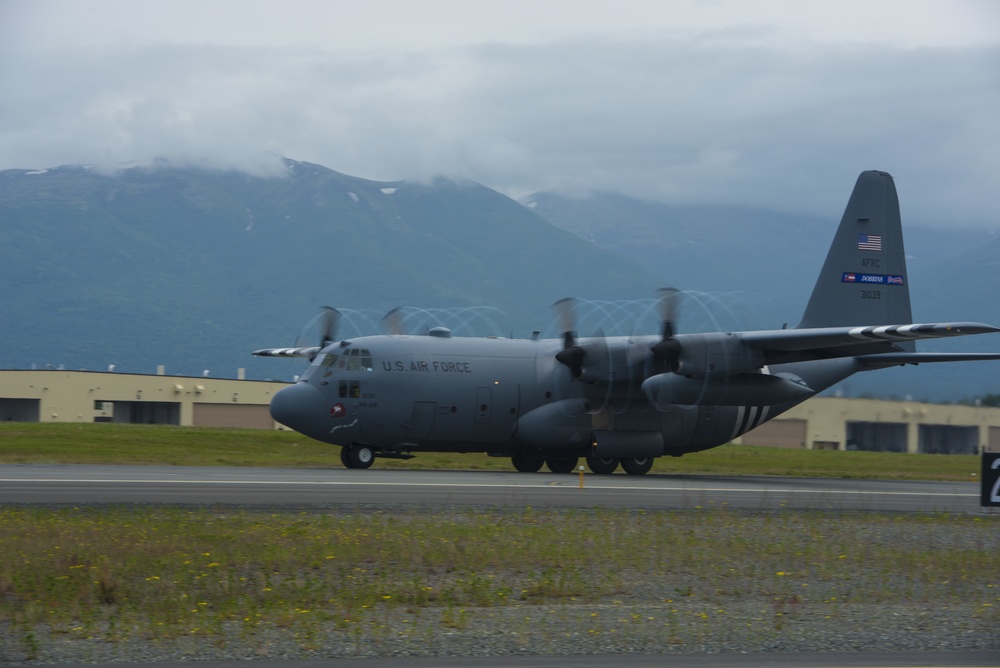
{"type": "Point", "coordinates": [864, 281]}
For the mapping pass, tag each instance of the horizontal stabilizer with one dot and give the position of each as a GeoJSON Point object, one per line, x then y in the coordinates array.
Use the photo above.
{"type": "Point", "coordinates": [309, 352]}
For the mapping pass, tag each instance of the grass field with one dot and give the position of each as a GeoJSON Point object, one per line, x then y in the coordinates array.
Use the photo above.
{"type": "Point", "coordinates": [371, 578]}
{"type": "Point", "coordinates": [406, 579]}
{"type": "Point", "coordinates": [73, 443]}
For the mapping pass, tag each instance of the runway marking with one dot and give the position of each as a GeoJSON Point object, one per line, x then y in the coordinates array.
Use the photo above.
{"type": "Point", "coordinates": [549, 485]}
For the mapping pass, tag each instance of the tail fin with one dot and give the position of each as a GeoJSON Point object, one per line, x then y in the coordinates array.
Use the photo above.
{"type": "Point", "coordinates": [864, 281]}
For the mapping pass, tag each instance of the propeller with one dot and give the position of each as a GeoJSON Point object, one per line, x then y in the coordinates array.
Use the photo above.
{"type": "Point", "coordinates": [571, 354]}
{"type": "Point", "coordinates": [329, 321]}
{"type": "Point", "coordinates": [668, 348]}
{"type": "Point", "coordinates": [590, 361]}
{"type": "Point", "coordinates": [393, 321]}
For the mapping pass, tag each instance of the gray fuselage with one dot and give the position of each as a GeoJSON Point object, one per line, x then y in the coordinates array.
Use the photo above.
{"type": "Point", "coordinates": [398, 393]}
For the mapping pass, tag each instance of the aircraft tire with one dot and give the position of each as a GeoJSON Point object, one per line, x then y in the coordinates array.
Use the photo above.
{"type": "Point", "coordinates": [358, 456]}
{"type": "Point", "coordinates": [602, 465]}
{"type": "Point", "coordinates": [637, 465]}
{"type": "Point", "coordinates": [562, 464]}
{"type": "Point", "coordinates": [527, 463]}
{"type": "Point", "coordinates": [343, 456]}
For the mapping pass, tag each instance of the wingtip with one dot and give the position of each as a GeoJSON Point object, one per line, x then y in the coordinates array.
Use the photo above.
{"type": "Point", "coordinates": [287, 352]}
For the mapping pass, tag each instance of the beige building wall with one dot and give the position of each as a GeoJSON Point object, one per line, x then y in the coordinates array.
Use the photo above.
{"type": "Point", "coordinates": [86, 396]}
{"type": "Point", "coordinates": [919, 427]}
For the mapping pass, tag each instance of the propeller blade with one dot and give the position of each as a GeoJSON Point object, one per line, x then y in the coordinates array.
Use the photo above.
{"type": "Point", "coordinates": [565, 312]}
{"type": "Point", "coordinates": [330, 318]}
{"type": "Point", "coordinates": [571, 355]}
{"type": "Point", "coordinates": [668, 307]}
{"type": "Point", "coordinates": [393, 321]}
{"type": "Point", "coordinates": [326, 320]}
{"type": "Point", "coordinates": [668, 348]}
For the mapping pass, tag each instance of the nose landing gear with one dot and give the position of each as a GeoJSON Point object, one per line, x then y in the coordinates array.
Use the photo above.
{"type": "Point", "coordinates": [357, 456]}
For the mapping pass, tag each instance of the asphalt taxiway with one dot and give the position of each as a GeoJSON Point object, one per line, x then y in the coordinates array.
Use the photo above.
{"type": "Point", "coordinates": [83, 484]}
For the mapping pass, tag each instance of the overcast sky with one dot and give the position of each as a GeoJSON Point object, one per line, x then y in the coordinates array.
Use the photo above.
{"type": "Point", "coordinates": [770, 103]}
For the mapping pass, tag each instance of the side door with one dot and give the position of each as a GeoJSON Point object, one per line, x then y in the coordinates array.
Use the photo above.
{"type": "Point", "coordinates": [421, 421]}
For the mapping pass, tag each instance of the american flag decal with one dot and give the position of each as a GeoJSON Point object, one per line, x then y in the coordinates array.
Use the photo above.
{"type": "Point", "coordinates": [870, 242]}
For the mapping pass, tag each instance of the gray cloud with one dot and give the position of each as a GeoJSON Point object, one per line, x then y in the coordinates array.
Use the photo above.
{"type": "Point", "coordinates": [681, 120]}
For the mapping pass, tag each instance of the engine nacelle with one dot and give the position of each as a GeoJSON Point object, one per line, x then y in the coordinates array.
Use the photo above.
{"type": "Point", "coordinates": [715, 354]}
{"type": "Point", "coordinates": [563, 424]}
{"type": "Point", "coordinates": [593, 361]}
{"type": "Point", "coordinates": [744, 389]}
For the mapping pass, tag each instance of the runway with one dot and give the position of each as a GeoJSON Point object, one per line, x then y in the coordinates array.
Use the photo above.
{"type": "Point", "coordinates": [83, 484]}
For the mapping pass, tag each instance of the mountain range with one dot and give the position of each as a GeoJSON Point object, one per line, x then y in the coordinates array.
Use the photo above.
{"type": "Point", "coordinates": [193, 268]}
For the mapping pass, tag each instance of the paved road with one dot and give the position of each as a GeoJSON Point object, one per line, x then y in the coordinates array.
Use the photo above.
{"type": "Point", "coordinates": [77, 484]}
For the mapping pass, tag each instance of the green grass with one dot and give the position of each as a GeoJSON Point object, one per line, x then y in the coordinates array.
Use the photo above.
{"type": "Point", "coordinates": [102, 443]}
{"type": "Point", "coordinates": [759, 460]}
{"type": "Point", "coordinates": [76, 443]}
{"type": "Point", "coordinates": [115, 573]}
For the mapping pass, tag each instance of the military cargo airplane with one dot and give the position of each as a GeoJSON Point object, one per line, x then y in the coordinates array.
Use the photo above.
{"type": "Point", "coordinates": [624, 400]}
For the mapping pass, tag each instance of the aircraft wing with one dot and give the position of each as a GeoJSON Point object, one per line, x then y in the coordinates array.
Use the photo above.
{"type": "Point", "coordinates": [793, 345]}
{"type": "Point", "coordinates": [288, 352]}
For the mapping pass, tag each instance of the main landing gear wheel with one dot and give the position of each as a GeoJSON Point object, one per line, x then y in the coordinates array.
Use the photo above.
{"type": "Point", "coordinates": [527, 463]}
{"type": "Point", "coordinates": [357, 456]}
{"type": "Point", "coordinates": [602, 465]}
{"type": "Point", "coordinates": [637, 465]}
{"type": "Point", "coordinates": [562, 464]}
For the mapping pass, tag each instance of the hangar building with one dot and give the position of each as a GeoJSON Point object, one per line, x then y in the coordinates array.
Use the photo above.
{"type": "Point", "coordinates": [827, 423]}
{"type": "Point", "coordinates": [87, 396]}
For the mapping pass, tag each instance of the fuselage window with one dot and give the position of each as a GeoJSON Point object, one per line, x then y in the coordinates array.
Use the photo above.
{"type": "Point", "coordinates": [349, 389]}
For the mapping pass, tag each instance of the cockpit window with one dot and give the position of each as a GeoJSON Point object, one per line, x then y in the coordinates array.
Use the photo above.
{"type": "Point", "coordinates": [358, 359]}
{"type": "Point", "coordinates": [328, 362]}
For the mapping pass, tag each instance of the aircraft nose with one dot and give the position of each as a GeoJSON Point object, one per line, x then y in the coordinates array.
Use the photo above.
{"type": "Point", "coordinates": [301, 407]}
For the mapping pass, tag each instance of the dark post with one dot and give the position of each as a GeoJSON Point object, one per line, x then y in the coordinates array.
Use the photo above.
{"type": "Point", "coordinates": [990, 476]}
